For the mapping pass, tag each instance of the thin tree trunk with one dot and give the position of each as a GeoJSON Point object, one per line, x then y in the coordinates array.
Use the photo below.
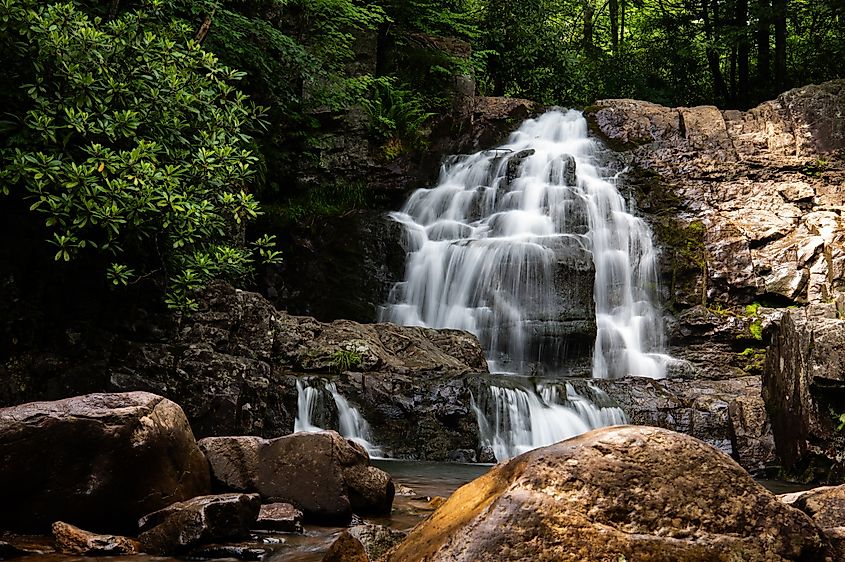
{"type": "Point", "coordinates": [764, 55]}
{"type": "Point", "coordinates": [205, 27]}
{"type": "Point", "coordinates": [588, 27]}
{"type": "Point", "coordinates": [779, 12]}
{"type": "Point", "coordinates": [614, 27]}
{"type": "Point", "coordinates": [720, 89]}
{"type": "Point", "coordinates": [622, 27]}
{"type": "Point", "coordinates": [742, 52]}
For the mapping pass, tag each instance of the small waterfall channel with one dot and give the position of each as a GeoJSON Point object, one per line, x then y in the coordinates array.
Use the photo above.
{"type": "Point", "coordinates": [513, 420]}
{"type": "Point", "coordinates": [504, 247]}
{"type": "Point", "coordinates": [351, 424]}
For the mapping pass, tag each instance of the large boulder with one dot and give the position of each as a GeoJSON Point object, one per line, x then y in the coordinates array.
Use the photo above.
{"type": "Point", "coordinates": [804, 390]}
{"type": "Point", "coordinates": [99, 461]}
{"type": "Point", "coordinates": [322, 474]}
{"type": "Point", "coordinates": [633, 493]}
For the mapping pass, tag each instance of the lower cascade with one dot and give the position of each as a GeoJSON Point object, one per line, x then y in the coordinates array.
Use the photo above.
{"type": "Point", "coordinates": [351, 424]}
{"type": "Point", "coordinates": [512, 421]}
{"type": "Point", "coordinates": [499, 248]}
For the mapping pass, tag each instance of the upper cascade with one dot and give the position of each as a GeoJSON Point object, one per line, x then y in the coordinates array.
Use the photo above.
{"type": "Point", "coordinates": [490, 244]}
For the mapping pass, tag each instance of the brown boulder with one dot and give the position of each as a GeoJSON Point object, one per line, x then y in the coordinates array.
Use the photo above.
{"type": "Point", "coordinates": [322, 474]}
{"type": "Point", "coordinates": [346, 548]}
{"type": "Point", "coordinates": [233, 461]}
{"type": "Point", "coordinates": [635, 493]}
{"type": "Point", "coordinates": [74, 541]}
{"type": "Point", "coordinates": [826, 506]}
{"type": "Point", "coordinates": [199, 520]}
{"type": "Point", "coordinates": [100, 461]}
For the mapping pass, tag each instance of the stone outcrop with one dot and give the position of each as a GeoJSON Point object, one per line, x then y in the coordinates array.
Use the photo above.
{"type": "Point", "coordinates": [728, 414]}
{"type": "Point", "coordinates": [99, 461]}
{"type": "Point", "coordinates": [377, 539]}
{"type": "Point", "coordinates": [76, 542]}
{"type": "Point", "coordinates": [231, 364]}
{"type": "Point", "coordinates": [804, 387]}
{"type": "Point", "coordinates": [762, 189]}
{"type": "Point", "coordinates": [346, 548]}
{"type": "Point", "coordinates": [322, 474]}
{"type": "Point", "coordinates": [629, 493]}
{"type": "Point", "coordinates": [203, 519]}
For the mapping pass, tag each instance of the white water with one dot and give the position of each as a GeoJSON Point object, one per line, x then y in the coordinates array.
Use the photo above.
{"type": "Point", "coordinates": [483, 250]}
{"type": "Point", "coordinates": [352, 424]}
{"type": "Point", "coordinates": [522, 419]}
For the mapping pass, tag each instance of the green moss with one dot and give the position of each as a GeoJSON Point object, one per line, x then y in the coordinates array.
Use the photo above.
{"type": "Point", "coordinates": [755, 359]}
{"type": "Point", "coordinates": [756, 329]}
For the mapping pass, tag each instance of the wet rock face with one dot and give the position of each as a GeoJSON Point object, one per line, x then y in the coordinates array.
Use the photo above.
{"type": "Point", "coordinates": [344, 269]}
{"type": "Point", "coordinates": [99, 461]}
{"type": "Point", "coordinates": [628, 492]}
{"type": "Point", "coordinates": [322, 474]}
{"type": "Point", "coordinates": [765, 185]}
{"type": "Point", "coordinates": [804, 388]}
{"type": "Point", "coordinates": [229, 363]}
{"type": "Point", "coordinates": [727, 414]}
{"type": "Point", "coordinates": [203, 519]}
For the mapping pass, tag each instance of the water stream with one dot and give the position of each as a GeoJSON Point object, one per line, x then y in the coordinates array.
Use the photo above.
{"type": "Point", "coordinates": [503, 246]}
{"type": "Point", "coordinates": [351, 424]}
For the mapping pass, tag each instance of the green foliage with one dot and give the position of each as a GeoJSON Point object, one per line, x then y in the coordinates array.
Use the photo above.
{"type": "Point", "coordinates": [755, 359]}
{"type": "Point", "coordinates": [396, 116]}
{"type": "Point", "coordinates": [133, 141]}
{"type": "Point", "coordinates": [325, 200]}
{"type": "Point", "coordinates": [345, 360]}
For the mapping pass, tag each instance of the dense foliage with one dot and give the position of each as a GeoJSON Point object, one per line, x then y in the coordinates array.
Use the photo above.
{"type": "Point", "coordinates": [127, 130]}
{"type": "Point", "coordinates": [129, 139]}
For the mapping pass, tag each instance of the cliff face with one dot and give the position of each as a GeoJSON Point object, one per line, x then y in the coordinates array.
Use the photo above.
{"type": "Point", "coordinates": [748, 207]}
{"type": "Point", "coordinates": [758, 195]}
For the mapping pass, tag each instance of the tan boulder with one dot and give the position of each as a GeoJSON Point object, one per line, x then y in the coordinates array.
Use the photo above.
{"type": "Point", "coordinates": [622, 493]}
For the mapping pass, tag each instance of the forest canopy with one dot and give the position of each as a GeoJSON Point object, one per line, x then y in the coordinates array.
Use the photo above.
{"type": "Point", "coordinates": [146, 131]}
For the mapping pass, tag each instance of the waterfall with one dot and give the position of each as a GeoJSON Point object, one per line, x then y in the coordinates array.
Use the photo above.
{"type": "Point", "coordinates": [512, 421]}
{"type": "Point", "coordinates": [496, 243]}
{"type": "Point", "coordinates": [307, 398]}
{"type": "Point", "coordinates": [352, 424]}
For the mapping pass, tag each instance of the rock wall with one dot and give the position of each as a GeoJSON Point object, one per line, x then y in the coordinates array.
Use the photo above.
{"type": "Point", "coordinates": [763, 187]}
{"type": "Point", "coordinates": [748, 209]}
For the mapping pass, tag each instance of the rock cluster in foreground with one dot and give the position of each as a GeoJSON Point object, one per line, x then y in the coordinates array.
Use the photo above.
{"type": "Point", "coordinates": [632, 493]}
{"type": "Point", "coordinates": [128, 463]}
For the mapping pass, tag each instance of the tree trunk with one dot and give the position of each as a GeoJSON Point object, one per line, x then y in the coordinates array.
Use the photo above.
{"type": "Point", "coordinates": [588, 27]}
{"type": "Point", "coordinates": [742, 52]}
{"type": "Point", "coordinates": [720, 89]}
{"type": "Point", "coordinates": [779, 12]}
{"type": "Point", "coordinates": [764, 55]}
{"type": "Point", "coordinates": [614, 26]}
{"type": "Point", "coordinates": [622, 27]}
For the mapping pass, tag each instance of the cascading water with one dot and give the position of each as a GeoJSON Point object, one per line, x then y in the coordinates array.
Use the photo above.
{"type": "Point", "coordinates": [484, 243]}
{"type": "Point", "coordinates": [352, 424]}
{"type": "Point", "coordinates": [496, 244]}
{"type": "Point", "coordinates": [514, 420]}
